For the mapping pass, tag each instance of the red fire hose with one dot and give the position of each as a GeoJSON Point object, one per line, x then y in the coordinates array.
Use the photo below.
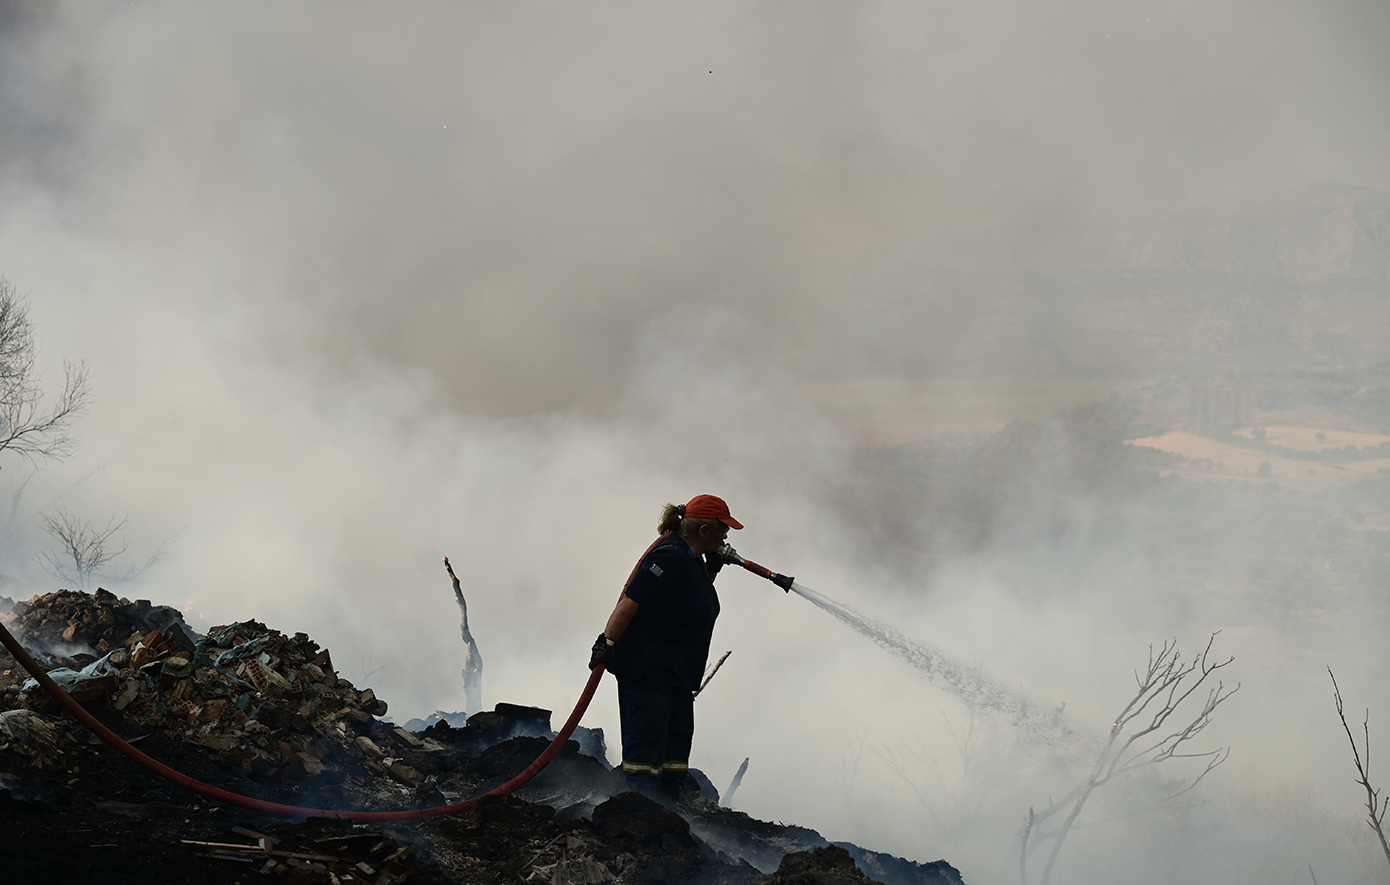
{"type": "Point", "coordinates": [230, 798]}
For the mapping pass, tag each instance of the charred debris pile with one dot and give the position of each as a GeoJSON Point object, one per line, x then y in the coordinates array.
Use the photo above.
{"type": "Point", "coordinates": [263, 714]}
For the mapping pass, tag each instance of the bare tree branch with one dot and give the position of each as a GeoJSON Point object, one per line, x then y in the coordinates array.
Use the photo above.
{"type": "Point", "coordinates": [1375, 806]}
{"type": "Point", "coordinates": [953, 799]}
{"type": "Point", "coordinates": [849, 767]}
{"type": "Point", "coordinates": [26, 427]}
{"type": "Point", "coordinates": [1164, 686]}
{"type": "Point", "coordinates": [715, 669]}
{"type": "Point", "coordinates": [1023, 849]}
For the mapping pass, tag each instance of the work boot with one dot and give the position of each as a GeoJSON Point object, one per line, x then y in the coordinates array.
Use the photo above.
{"type": "Point", "coordinates": [685, 796]}
{"type": "Point", "coordinates": [650, 787]}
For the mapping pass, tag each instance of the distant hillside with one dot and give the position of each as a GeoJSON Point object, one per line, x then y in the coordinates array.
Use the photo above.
{"type": "Point", "coordinates": [1303, 281]}
{"type": "Point", "coordinates": [1327, 233]}
{"type": "Point", "coordinates": [1290, 508]}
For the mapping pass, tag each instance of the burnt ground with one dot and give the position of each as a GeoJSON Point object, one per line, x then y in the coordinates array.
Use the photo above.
{"type": "Point", "coordinates": [74, 810]}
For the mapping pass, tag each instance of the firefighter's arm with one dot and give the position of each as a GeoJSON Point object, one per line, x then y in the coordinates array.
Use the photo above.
{"type": "Point", "coordinates": [622, 615]}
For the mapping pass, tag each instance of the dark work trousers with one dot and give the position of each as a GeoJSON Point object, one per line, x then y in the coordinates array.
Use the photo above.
{"type": "Point", "coordinates": [658, 725]}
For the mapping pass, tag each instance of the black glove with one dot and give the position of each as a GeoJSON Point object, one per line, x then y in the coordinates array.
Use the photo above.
{"type": "Point", "coordinates": [713, 563]}
{"type": "Point", "coordinates": [717, 559]}
{"type": "Point", "coordinates": [599, 651]}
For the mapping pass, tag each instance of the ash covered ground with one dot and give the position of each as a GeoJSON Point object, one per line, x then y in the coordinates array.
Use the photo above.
{"type": "Point", "coordinates": [263, 714]}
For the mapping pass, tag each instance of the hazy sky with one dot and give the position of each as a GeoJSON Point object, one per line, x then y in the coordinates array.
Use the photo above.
{"type": "Point", "coordinates": [364, 285]}
{"type": "Point", "coordinates": [505, 195]}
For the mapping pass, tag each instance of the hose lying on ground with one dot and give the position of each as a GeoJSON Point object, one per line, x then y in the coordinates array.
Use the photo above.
{"type": "Point", "coordinates": [220, 795]}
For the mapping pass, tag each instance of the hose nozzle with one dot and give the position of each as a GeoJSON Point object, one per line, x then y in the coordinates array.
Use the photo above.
{"type": "Point", "coordinates": [730, 555]}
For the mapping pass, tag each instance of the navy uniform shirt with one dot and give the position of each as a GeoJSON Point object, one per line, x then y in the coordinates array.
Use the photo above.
{"type": "Point", "coordinates": [667, 642]}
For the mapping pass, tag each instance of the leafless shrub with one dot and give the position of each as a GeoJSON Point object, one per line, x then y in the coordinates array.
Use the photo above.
{"type": "Point", "coordinates": [84, 549]}
{"type": "Point", "coordinates": [955, 795]}
{"type": "Point", "coordinates": [848, 765]}
{"type": "Point", "coordinates": [1375, 805]}
{"type": "Point", "coordinates": [1160, 690]}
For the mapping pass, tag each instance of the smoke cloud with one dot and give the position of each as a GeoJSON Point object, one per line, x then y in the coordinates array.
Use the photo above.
{"type": "Point", "coordinates": [362, 287]}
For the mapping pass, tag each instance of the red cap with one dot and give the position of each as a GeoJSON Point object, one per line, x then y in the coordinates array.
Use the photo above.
{"type": "Point", "coordinates": [710, 507]}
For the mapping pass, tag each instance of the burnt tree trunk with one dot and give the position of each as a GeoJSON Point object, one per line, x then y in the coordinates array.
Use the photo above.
{"type": "Point", "coordinates": [472, 669]}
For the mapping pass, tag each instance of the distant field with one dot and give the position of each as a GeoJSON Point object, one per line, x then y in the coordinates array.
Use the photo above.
{"type": "Point", "coordinates": [890, 411]}
{"type": "Point", "coordinates": [1215, 461]}
{"type": "Point", "coordinates": [1315, 439]}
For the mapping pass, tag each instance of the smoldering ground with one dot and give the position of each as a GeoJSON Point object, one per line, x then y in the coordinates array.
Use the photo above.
{"type": "Point", "coordinates": [363, 288]}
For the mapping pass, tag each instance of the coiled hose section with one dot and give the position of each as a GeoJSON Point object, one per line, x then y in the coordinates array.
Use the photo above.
{"type": "Point", "coordinates": [230, 798]}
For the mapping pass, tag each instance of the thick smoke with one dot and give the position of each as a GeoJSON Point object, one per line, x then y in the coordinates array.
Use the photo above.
{"type": "Point", "coordinates": [361, 287]}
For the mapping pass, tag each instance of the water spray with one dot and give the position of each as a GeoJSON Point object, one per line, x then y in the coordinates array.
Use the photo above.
{"type": "Point", "coordinates": [969, 683]}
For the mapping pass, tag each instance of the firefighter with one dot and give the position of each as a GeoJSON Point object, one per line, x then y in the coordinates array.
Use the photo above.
{"type": "Point", "coordinates": [657, 641]}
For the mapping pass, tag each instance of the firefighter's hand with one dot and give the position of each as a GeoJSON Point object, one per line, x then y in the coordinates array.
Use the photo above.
{"type": "Point", "coordinates": [713, 563]}
{"type": "Point", "coordinates": [600, 651]}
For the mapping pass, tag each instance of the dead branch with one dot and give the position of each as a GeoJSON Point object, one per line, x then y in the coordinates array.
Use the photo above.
{"type": "Point", "coordinates": [1375, 806]}
{"type": "Point", "coordinates": [898, 767]}
{"type": "Point", "coordinates": [1023, 850]}
{"type": "Point", "coordinates": [472, 670]}
{"type": "Point", "coordinates": [952, 800]}
{"type": "Point", "coordinates": [849, 767]}
{"type": "Point", "coordinates": [715, 669]}
{"type": "Point", "coordinates": [1166, 683]}
{"type": "Point", "coordinates": [733, 784]}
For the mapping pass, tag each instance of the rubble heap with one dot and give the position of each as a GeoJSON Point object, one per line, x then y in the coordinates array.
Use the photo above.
{"type": "Point", "coordinates": [97, 622]}
{"type": "Point", "coordinates": [257, 698]}
{"type": "Point", "coordinates": [269, 704]}
{"type": "Point", "coordinates": [262, 713]}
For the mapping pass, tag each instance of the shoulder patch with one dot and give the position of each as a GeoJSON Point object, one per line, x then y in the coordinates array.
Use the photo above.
{"type": "Point", "coordinates": [656, 570]}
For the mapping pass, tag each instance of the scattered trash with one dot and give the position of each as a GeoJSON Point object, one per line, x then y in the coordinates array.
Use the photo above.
{"type": "Point", "coordinates": [375, 857]}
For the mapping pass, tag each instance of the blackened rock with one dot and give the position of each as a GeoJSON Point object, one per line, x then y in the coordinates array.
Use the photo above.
{"type": "Point", "coordinates": [437, 722]}
{"type": "Point", "coordinates": [31, 736]}
{"type": "Point", "coordinates": [830, 865]}
{"type": "Point", "coordinates": [505, 760]}
{"type": "Point", "coordinates": [274, 716]}
{"type": "Point", "coordinates": [701, 783]}
{"type": "Point", "coordinates": [473, 734]}
{"type": "Point", "coordinates": [657, 837]}
{"type": "Point", "coordinates": [534, 715]}
{"type": "Point", "coordinates": [488, 728]}
{"type": "Point", "coordinates": [498, 827]}
{"type": "Point", "coordinates": [635, 817]}
{"type": "Point", "coordinates": [892, 870]}
{"type": "Point", "coordinates": [569, 778]}
{"type": "Point", "coordinates": [428, 794]}
{"type": "Point", "coordinates": [761, 843]}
